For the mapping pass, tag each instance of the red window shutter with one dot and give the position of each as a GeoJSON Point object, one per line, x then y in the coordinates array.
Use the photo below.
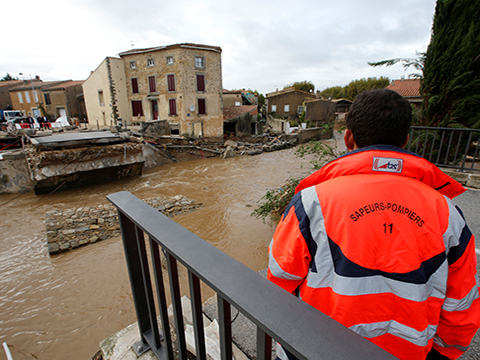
{"type": "Point", "coordinates": [171, 82]}
{"type": "Point", "coordinates": [135, 85]}
{"type": "Point", "coordinates": [201, 107]}
{"type": "Point", "coordinates": [200, 82]}
{"type": "Point", "coordinates": [173, 106]}
{"type": "Point", "coordinates": [151, 84]}
{"type": "Point", "coordinates": [137, 108]}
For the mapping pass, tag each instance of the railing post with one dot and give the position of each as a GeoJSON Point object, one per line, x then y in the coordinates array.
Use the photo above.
{"type": "Point", "coordinates": [132, 257]}
{"type": "Point", "coordinates": [225, 324]}
{"type": "Point", "coordinates": [264, 345]}
{"type": "Point", "coordinates": [197, 315]}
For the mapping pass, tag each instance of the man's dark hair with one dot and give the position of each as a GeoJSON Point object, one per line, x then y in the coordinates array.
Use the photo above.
{"type": "Point", "coordinates": [379, 117]}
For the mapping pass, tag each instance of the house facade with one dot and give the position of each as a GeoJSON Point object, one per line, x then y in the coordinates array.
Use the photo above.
{"type": "Point", "coordinates": [64, 99]}
{"type": "Point", "coordinates": [409, 89]}
{"type": "Point", "coordinates": [239, 98]}
{"type": "Point", "coordinates": [319, 112]}
{"type": "Point", "coordinates": [28, 97]}
{"type": "Point", "coordinates": [288, 103]}
{"type": "Point", "coordinates": [105, 93]}
{"type": "Point", "coordinates": [5, 86]}
{"type": "Point", "coordinates": [180, 83]}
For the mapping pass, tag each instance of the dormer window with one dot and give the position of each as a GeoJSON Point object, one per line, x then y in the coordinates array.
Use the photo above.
{"type": "Point", "coordinates": [133, 64]}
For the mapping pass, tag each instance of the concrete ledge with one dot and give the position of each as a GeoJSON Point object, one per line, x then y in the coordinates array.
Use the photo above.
{"type": "Point", "coordinates": [469, 180]}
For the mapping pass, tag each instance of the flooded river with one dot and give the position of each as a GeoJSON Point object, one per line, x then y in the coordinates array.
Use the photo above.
{"type": "Point", "coordinates": [62, 306]}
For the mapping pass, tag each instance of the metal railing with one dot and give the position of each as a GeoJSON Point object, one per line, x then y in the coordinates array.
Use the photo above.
{"type": "Point", "coordinates": [301, 329]}
{"type": "Point", "coordinates": [447, 147]}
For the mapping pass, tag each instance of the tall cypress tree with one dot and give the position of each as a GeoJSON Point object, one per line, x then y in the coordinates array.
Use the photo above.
{"type": "Point", "coordinates": [451, 82]}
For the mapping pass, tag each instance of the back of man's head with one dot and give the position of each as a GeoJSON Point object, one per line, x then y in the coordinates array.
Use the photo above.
{"type": "Point", "coordinates": [379, 117]}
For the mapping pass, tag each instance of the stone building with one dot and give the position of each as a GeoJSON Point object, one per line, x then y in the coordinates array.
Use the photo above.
{"type": "Point", "coordinates": [180, 83]}
{"type": "Point", "coordinates": [239, 98]}
{"type": "Point", "coordinates": [105, 93]}
{"type": "Point", "coordinates": [288, 103]}
{"type": "Point", "coordinates": [319, 112]}
{"type": "Point", "coordinates": [29, 98]}
{"type": "Point", "coordinates": [64, 99]}
{"type": "Point", "coordinates": [5, 86]}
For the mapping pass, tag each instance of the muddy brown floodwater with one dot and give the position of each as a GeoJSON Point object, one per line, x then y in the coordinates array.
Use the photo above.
{"type": "Point", "coordinates": [62, 306]}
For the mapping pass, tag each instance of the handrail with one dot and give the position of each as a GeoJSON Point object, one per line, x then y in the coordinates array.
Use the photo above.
{"type": "Point", "coordinates": [304, 331]}
{"type": "Point", "coordinates": [456, 148]}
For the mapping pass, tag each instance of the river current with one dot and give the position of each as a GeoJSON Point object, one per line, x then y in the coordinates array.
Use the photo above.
{"type": "Point", "coordinates": [62, 306]}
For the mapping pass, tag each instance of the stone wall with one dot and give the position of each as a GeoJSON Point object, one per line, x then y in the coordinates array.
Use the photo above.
{"type": "Point", "coordinates": [69, 229]}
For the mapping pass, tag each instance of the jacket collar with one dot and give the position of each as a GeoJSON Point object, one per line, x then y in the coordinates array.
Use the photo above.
{"type": "Point", "coordinates": [372, 160]}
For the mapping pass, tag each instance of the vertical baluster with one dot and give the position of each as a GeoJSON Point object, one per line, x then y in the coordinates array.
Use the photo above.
{"type": "Point", "coordinates": [264, 345]}
{"type": "Point", "coordinates": [225, 324]}
{"type": "Point", "coordinates": [197, 313]}
{"type": "Point", "coordinates": [132, 258]}
{"type": "Point", "coordinates": [177, 305]}
{"type": "Point", "coordinates": [157, 266]}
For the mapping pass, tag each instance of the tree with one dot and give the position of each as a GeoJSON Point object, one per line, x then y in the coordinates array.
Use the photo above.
{"type": "Point", "coordinates": [302, 85]}
{"type": "Point", "coordinates": [418, 63]}
{"type": "Point", "coordinates": [451, 83]}
{"type": "Point", "coordinates": [8, 77]}
{"type": "Point", "coordinates": [334, 92]}
{"type": "Point", "coordinates": [356, 87]}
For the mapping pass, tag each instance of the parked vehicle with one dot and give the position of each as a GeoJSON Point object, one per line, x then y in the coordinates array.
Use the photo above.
{"type": "Point", "coordinates": [6, 115]}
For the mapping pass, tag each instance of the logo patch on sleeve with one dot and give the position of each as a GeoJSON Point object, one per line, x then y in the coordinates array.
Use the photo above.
{"type": "Point", "coordinates": [387, 164]}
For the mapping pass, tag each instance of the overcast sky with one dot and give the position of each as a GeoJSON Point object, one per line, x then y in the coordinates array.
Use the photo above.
{"type": "Point", "coordinates": [266, 44]}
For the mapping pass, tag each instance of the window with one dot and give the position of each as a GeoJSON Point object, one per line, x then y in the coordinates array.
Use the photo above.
{"type": "Point", "coordinates": [286, 108]}
{"type": "Point", "coordinates": [133, 64]}
{"type": "Point", "coordinates": [20, 98]}
{"type": "Point", "coordinates": [100, 98]}
{"type": "Point", "coordinates": [200, 82]}
{"type": "Point", "coordinates": [238, 103]}
{"type": "Point", "coordinates": [47, 99]}
{"type": "Point", "coordinates": [150, 62]}
{"type": "Point", "coordinates": [202, 106]}
{"type": "Point", "coordinates": [35, 96]}
{"type": "Point", "coordinates": [137, 108]}
{"type": "Point", "coordinates": [152, 86]}
{"type": "Point", "coordinates": [27, 97]}
{"type": "Point", "coordinates": [135, 85]}
{"type": "Point", "coordinates": [299, 110]}
{"type": "Point", "coordinates": [171, 82]}
{"type": "Point", "coordinates": [199, 62]}
{"type": "Point", "coordinates": [169, 60]}
{"type": "Point", "coordinates": [274, 108]}
{"type": "Point", "coordinates": [172, 106]}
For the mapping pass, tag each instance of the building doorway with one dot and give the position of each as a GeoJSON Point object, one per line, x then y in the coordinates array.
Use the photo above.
{"type": "Point", "coordinates": [155, 110]}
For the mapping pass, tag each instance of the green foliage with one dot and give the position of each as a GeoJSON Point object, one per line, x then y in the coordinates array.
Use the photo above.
{"type": "Point", "coordinates": [321, 153]}
{"type": "Point", "coordinates": [418, 63]}
{"type": "Point", "coordinates": [334, 92]}
{"type": "Point", "coordinates": [356, 87]}
{"type": "Point", "coordinates": [8, 77]}
{"type": "Point", "coordinates": [451, 83]}
{"type": "Point", "coordinates": [302, 86]}
{"type": "Point", "coordinates": [275, 201]}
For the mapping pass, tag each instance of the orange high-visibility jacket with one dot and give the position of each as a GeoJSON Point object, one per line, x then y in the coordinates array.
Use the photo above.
{"type": "Point", "coordinates": [373, 240]}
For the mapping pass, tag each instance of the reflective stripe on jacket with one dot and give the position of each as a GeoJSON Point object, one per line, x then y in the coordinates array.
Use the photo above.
{"type": "Point", "coordinates": [373, 240]}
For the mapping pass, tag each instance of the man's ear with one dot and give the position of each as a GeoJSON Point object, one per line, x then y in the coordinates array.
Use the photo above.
{"type": "Point", "coordinates": [406, 142]}
{"type": "Point", "coordinates": [349, 140]}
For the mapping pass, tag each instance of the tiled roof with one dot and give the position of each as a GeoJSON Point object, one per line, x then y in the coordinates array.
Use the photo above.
{"type": "Point", "coordinates": [288, 90]}
{"type": "Point", "coordinates": [37, 84]}
{"type": "Point", "coordinates": [230, 112]}
{"type": "Point", "coordinates": [406, 87]}
{"type": "Point", "coordinates": [10, 82]}
{"type": "Point", "coordinates": [66, 84]}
